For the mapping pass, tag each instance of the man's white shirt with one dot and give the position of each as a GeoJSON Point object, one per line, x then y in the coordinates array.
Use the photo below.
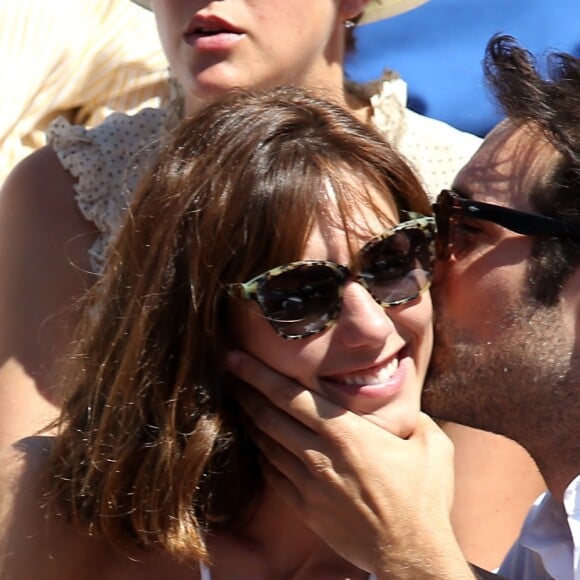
{"type": "Point", "coordinates": [549, 544]}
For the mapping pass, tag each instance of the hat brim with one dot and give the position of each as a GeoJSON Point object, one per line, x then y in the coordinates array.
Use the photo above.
{"type": "Point", "coordinates": [375, 10]}
{"type": "Point", "coordinates": [144, 3]}
{"type": "Point", "coordinates": [382, 9]}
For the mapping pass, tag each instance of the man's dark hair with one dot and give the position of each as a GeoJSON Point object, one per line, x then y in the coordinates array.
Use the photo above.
{"type": "Point", "coordinates": [550, 103]}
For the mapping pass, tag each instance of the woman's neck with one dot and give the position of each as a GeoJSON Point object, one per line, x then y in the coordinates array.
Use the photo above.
{"type": "Point", "coordinates": [276, 543]}
{"type": "Point", "coordinates": [329, 83]}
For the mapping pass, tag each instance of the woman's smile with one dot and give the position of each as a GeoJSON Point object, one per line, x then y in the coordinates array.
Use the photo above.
{"type": "Point", "coordinates": [371, 360]}
{"type": "Point", "coordinates": [368, 390]}
{"type": "Point", "coordinates": [372, 376]}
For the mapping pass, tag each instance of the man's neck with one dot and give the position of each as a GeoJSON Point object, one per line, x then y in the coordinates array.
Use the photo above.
{"type": "Point", "coordinates": [558, 477]}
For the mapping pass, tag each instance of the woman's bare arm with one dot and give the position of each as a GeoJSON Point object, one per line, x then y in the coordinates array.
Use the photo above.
{"type": "Point", "coordinates": [44, 264]}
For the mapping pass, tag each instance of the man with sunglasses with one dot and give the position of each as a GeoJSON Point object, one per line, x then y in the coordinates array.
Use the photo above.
{"type": "Point", "coordinates": [506, 358]}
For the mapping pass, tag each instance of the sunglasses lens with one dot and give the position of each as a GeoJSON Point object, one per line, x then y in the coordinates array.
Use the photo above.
{"type": "Point", "coordinates": [302, 300]}
{"type": "Point", "coordinates": [399, 267]}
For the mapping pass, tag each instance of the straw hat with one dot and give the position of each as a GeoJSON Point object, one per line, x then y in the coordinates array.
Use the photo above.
{"type": "Point", "coordinates": [381, 9]}
{"type": "Point", "coordinates": [375, 10]}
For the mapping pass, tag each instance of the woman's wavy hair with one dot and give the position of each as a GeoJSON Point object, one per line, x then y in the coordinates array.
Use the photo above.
{"type": "Point", "coordinates": [549, 104]}
{"type": "Point", "coordinates": [150, 449]}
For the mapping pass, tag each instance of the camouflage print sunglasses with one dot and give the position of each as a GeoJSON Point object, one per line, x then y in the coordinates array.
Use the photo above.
{"type": "Point", "coordinates": [303, 298]}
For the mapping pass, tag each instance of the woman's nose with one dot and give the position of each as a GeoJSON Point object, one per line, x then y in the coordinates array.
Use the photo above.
{"type": "Point", "coordinates": [362, 321]}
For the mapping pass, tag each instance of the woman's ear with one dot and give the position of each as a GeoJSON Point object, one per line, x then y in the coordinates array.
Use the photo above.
{"type": "Point", "coordinates": [350, 9]}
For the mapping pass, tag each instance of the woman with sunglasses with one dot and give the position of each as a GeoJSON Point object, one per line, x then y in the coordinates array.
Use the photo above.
{"type": "Point", "coordinates": [63, 206]}
{"type": "Point", "coordinates": [274, 222]}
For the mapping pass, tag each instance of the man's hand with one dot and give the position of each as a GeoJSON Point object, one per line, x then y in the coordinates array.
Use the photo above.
{"type": "Point", "coordinates": [381, 502]}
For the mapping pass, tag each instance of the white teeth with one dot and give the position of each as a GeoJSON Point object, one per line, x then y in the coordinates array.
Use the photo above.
{"type": "Point", "coordinates": [382, 375]}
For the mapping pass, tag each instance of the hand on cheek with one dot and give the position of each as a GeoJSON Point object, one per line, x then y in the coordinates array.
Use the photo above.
{"type": "Point", "coordinates": [359, 487]}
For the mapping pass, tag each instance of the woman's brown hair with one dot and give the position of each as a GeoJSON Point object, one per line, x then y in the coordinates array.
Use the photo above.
{"type": "Point", "coordinates": [150, 448]}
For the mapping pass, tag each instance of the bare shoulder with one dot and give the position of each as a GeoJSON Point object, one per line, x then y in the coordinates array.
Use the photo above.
{"type": "Point", "coordinates": [44, 239]}
{"type": "Point", "coordinates": [39, 187]}
{"type": "Point", "coordinates": [44, 243]}
{"type": "Point", "coordinates": [496, 482]}
{"type": "Point", "coordinates": [35, 544]}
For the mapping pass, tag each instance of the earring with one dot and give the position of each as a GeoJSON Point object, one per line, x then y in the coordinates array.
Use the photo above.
{"type": "Point", "coordinates": [349, 24]}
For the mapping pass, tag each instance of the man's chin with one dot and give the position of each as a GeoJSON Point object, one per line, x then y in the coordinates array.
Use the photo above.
{"type": "Point", "coordinates": [438, 405]}
{"type": "Point", "coordinates": [445, 398]}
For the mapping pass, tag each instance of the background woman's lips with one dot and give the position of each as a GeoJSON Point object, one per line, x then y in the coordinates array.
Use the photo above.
{"type": "Point", "coordinates": [212, 33]}
{"type": "Point", "coordinates": [218, 41]}
{"type": "Point", "coordinates": [200, 23]}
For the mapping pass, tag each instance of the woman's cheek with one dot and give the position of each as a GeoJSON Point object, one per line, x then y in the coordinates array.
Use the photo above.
{"type": "Point", "coordinates": [254, 334]}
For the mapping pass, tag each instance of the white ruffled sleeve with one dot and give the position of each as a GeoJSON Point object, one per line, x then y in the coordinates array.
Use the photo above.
{"type": "Point", "coordinates": [107, 163]}
{"type": "Point", "coordinates": [435, 150]}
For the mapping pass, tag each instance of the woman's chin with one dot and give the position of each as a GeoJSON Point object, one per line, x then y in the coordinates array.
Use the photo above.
{"type": "Point", "coordinates": [399, 422]}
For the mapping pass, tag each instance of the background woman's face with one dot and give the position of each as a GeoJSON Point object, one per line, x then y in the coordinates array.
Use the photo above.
{"type": "Point", "coordinates": [214, 46]}
{"type": "Point", "coordinates": [372, 360]}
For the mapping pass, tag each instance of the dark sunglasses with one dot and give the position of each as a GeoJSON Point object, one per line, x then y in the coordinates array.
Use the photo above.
{"type": "Point", "coordinates": [450, 206]}
{"type": "Point", "coordinates": [303, 298]}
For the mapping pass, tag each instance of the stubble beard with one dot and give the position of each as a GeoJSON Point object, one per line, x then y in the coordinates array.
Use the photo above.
{"type": "Point", "coordinates": [521, 383]}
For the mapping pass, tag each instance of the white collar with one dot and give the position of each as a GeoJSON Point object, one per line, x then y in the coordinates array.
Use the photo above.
{"type": "Point", "coordinates": [552, 530]}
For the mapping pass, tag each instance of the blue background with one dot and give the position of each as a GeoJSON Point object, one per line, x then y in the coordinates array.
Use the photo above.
{"type": "Point", "coordinates": [438, 47]}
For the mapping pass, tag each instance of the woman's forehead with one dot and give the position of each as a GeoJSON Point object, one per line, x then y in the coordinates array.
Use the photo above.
{"type": "Point", "coordinates": [358, 221]}
{"type": "Point", "coordinates": [357, 205]}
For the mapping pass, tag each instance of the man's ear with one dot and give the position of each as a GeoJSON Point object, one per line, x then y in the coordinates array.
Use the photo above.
{"type": "Point", "coordinates": [349, 9]}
